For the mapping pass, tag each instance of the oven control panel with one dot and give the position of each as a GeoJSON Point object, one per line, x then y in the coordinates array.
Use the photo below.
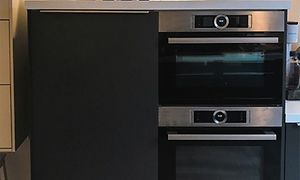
{"type": "Point", "coordinates": [220, 116]}
{"type": "Point", "coordinates": [222, 21]}
{"type": "Point", "coordinates": [196, 116]}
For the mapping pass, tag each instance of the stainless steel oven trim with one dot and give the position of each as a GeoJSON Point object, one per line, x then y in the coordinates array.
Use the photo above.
{"type": "Point", "coordinates": [183, 21]}
{"type": "Point", "coordinates": [224, 40]}
{"type": "Point", "coordinates": [250, 21]}
{"type": "Point", "coordinates": [170, 116]}
{"type": "Point", "coordinates": [270, 136]}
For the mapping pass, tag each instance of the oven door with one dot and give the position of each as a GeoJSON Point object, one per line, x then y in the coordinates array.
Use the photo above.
{"type": "Point", "coordinates": [221, 68]}
{"type": "Point", "coordinates": [242, 155]}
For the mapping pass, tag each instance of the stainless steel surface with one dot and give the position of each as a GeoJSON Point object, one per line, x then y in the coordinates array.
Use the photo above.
{"type": "Point", "coordinates": [222, 137]}
{"type": "Point", "coordinates": [93, 11]}
{"type": "Point", "coordinates": [216, 23]}
{"type": "Point", "coordinates": [223, 40]}
{"type": "Point", "coordinates": [256, 116]}
{"type": "Point", "coordinates": [183, 21]}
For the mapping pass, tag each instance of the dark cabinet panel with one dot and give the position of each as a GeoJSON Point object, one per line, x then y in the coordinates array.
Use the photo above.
{"type": "Point", "coordinates": [95, 96]}
{"type": "Point", "coordinates": [292, 168]}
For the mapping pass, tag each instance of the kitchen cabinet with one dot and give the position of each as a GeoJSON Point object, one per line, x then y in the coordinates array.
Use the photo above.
{"type": "Point", "coordinates": [4, 51]}
{"type": "Point", "coordinates": [4, 9]}
{"type": "Point", "coordinates": [14, 75]}
{"type": "Point", "coordinates": [292, 170]}
{"type": "Point", "coordinates": [95, 95]}
{"type": "Point", "coordinates": [5, 117]}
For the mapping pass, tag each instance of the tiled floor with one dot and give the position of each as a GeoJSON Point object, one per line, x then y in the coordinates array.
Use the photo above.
{"type": "Point", "coordinates": [18, 164]}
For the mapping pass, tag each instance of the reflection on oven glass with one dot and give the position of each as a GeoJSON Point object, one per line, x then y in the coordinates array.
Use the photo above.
{"type": "Point", "coordinates": [254, 57]}
{"type": "Point", "coordinates": [219, 163]}
{"type": "Point", "coordinates": [227, 69]}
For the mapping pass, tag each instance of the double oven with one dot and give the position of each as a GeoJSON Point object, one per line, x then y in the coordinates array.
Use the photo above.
{"type": "Point", "coordinates": [221, 95]}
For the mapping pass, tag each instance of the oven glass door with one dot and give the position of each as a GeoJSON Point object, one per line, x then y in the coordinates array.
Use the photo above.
{"type": "Point", "coordinates": [222, 68]}
{"type": "Point", "coordinates": [219, 160]}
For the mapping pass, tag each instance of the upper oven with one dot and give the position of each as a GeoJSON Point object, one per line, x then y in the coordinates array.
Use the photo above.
{"type": "Point", "coordinates": [221, 58]}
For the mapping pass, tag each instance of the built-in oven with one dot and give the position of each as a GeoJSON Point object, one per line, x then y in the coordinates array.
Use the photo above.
{"type": "Point", "coordinates": [220, 143]}
{"type": "Point", "coordinates": [224, 58]}
{"type": "Point", "coordinates": [219, 154]}
{"type": "Point", "coordinates": [221, 77]}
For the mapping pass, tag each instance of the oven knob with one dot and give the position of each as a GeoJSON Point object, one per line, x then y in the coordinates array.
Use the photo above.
{"type": "Point", "coordinates": [219, 116]}
{"type": "Point", "coordinates": [221, 21]}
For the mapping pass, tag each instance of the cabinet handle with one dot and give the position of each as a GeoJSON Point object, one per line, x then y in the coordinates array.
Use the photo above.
{"type": "Point", "coordinates": [222, 137]}
{"type": "Point", "coordinates": [89, 12]}
{"type": "Point", "coordinates": [223, 40]}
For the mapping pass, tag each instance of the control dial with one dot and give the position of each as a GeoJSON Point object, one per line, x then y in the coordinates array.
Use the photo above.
{"type": "Point", "coordinates": [220, 116]}
{"type": "Point", "coordinates": [221, 21]}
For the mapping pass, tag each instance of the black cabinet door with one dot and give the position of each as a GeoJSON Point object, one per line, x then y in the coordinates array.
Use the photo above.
{"type": "Point", "coordinates": [292, 166]}
{"type": "Point", "coordinates": [95, 96]}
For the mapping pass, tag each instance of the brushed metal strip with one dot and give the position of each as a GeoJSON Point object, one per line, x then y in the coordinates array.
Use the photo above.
{"type": "Point", "coordinates": [222, 137]}
{"type": "Point", "coordinates": [184, 21]}
{"type": "Point", "coordinates": [181, 116]}
{"type": "Point", "coordinates": [88, 11]}
{"type": "Point", "coordinates": [224, 40]}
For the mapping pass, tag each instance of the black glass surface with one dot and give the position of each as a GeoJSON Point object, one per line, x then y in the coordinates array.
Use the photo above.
{"type": "Point", "coordinates": [235, 21]}
{"type": "Point", "coordinates": [208, 116]}
{"type": "Point", "coordinates": [220, 73]}
{"type": "Point", "coordinates": [238, 21]}
{"type": "Point", "coordinates": [219, 162]}
{"type": "Point", "coordinates": [204, 21]}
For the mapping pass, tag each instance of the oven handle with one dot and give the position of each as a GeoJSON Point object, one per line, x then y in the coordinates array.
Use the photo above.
{"type": "Point", "coordinates": [224, 40]}
{"type": "Point", "coordinates": [269, 136]}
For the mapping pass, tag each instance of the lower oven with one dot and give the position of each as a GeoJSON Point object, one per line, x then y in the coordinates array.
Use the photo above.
{"type": "Point", "coordinates": [220, 143]}
{"type": "Point", "coordinates": [219, 154]}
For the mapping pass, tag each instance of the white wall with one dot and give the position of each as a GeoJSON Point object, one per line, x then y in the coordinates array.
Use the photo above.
{"type": "Point", "coordinates": [294, 15]}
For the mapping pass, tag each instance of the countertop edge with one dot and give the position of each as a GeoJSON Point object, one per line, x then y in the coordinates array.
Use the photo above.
{"type": "Point", "coordinates": [157, 5]}
{"type": "Point", "coordinates": [292, 112]}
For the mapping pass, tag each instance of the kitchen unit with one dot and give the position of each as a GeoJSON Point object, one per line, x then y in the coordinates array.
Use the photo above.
{"type": "Point", "coordinates": [14, 92]}
{"type": "Point", "coordinates": [221, 95]}
{"type": "Point", "coordinates": [97, 98]}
